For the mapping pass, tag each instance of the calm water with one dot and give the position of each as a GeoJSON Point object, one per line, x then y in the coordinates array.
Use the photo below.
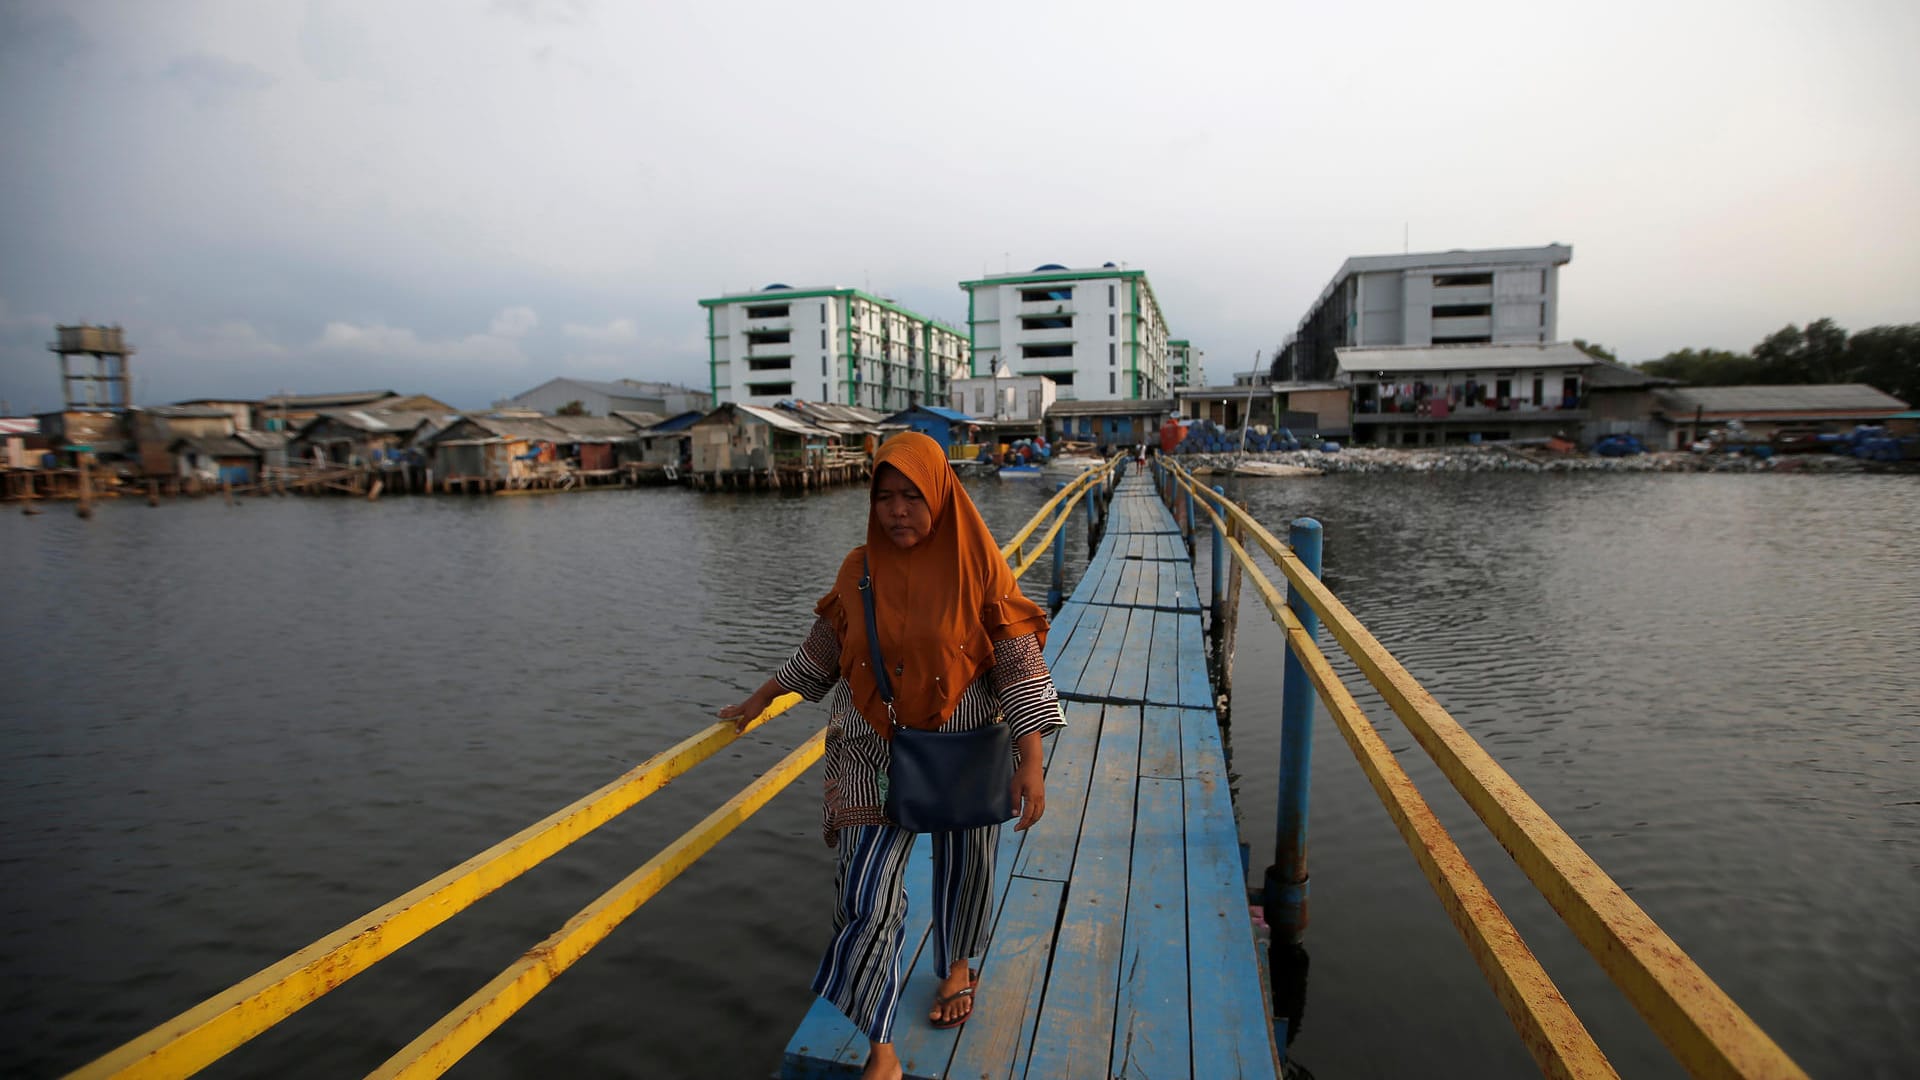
{"type": "Point", "coordinates": [230, 731]}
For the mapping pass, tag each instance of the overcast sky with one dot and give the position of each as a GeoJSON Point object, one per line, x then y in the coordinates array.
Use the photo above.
{"type": "Point", "coordinates": [467, 197]}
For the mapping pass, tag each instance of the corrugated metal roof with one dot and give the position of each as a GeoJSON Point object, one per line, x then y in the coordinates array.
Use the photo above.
{"type": "Point", "coordinates": [1395, 359]}
{"type": "Point", "coordinates": [638, 419]}
{"type": "Point", "coordinates": [1827, 397]}
{"type": "Point", "coordinates": [263, 440]}
{"type": "Point", "coordinates": [19, 425]}
{"type": "Point", "coordinates": [216, 446]}
{"type": "Point", "coordinates": [1151, 407]}
{"type": "Point", "coordinates": [783, 420]}
{"type": "Point", "coordinates": [594, 428]}
{"type": "Point", "coordinates": [944, 414]}
{"type": "Point", "coordinates": [323, 401]}
{"type": "Point", "coordinates": [376, 421]}
{"type": "Point", "coordinates": [187, 412]}
{"type": "Point", "coordinates": [1605, 375]}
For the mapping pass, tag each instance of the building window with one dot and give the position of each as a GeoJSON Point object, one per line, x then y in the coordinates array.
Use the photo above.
{"type": "Point", "coordinates": [1113, 354]}
{"type": "Point", "coordinates": [1444, 281]}
{"type": "Point", "coordinates": [1113, 383]}
{"type": "Point", "coordinates": [767, 311]}
{"type": "Point", "coordinates": [781, 389]}
{"type": "Point", "coordinates": [823, 392]}
{"type": "Point", "coordinates": [1461, 311]}
{"type": "Point", "coordinates": [769, 337]}
{"type": "Point", "coordinates": [823, 337]}
{"type": "Point", "coordinates": [769, 363]}
{"type": "Point", "coordinates": [1570, 392]}
{"type": "Point", "coordinates": [1543, 283]}
{"type": "Point", "coordinates": [1061, 378]}
{"type": "Point", "coordinates": [1043, 352]}
{"type": "Point", "coordinates": [1539, 390]}
{"type": "Point", "coordinates": [824, 361]}
{"type": "Point", "coordinates": [1047, 322]}
{"type": "Point", "coordinates": [1035, 296]}
{"type": "Point", "coordinates": [1112, 325]}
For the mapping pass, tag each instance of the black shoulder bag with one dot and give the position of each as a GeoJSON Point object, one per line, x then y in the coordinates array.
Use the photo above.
{"type": "Point", "coordinates": [939, 781]}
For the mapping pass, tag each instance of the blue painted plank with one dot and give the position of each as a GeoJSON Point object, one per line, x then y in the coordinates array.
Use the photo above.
{"type": "Point", "coordinates": [1160, 736]}
{"type": "Point", "coordinates": [1048, 851]}
{"type": "Point", "coordinates": [1151, 1031]}
{"type": "Point", "coordinates": [1075, 1033]}
{"type": "Point", "coordinates": [1196, 690]}
{"type": "Point", "coordinates": [996, 1039]}
{"type": "Point", "coordinates": [1071, 659]}
{"type": "Point", "coordinates": [1060, 628]}
{"type": "Point", "coordinates": [1223, 973]}
{"type": "Point", "coordinates": [1136, 654]}
{"type": "Point", "coordinates": [1097, 678]}
{"type": "Point", "coordinates": [1163, 662]}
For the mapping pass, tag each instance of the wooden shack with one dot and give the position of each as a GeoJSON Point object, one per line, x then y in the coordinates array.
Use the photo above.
{"type": "Point", "coordinates": [363, 437]}
{"type": "Point", "coordinates": [751, 447]}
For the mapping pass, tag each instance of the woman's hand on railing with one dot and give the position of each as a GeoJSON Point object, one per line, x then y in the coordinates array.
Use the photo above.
{"type": "Point", "coordinates": [745, 712]}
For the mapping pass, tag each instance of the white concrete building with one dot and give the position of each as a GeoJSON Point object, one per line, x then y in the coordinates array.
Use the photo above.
{"type": "Point", "coordinates": [1017, 400]}
{"type": "Point", "coordinates": [839, 346]}
{"type": "Point", "coordinates": [1183, 361]}
{"type": "Point", "coordinates": [1492, 296]}
{"type": "Point", "coordinates": [1410, 395]}
{"type": "Point", "coordinates": [1097, 333]}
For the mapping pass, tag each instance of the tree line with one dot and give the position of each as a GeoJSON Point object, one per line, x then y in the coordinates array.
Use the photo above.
{"type": "Point", "coordinates": [1884, 357]}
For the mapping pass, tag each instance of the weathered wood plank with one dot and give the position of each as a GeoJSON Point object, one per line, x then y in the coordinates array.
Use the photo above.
{"type": "Point", "coordinates": [1069, 654]}
{"type": "Point", "coordinates": [1152, 1035]}
{"type": "Point", "coordinates": [1196, 690]}
{"type": "Point", "coordinates": [1075, 1033]}
{"type": "Point", "coordinates": [1237, 1038]}
{"type": "Point", "coordinates": [1163, 661]}
{"type": "Point", "coordinates": [1048, 851]}
{"type": "Point", "coordinates": [1160, 736]}
{"type": "Point", "coordinates": [1097, 678]}
{"type": "Point", "coordinates": [1013, 977]}
{"type": "Point", "coordinates": [1136, 654]}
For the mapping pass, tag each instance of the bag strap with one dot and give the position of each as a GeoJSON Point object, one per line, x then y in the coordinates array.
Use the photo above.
{"type": "Point", "coordinates": [873, 641]}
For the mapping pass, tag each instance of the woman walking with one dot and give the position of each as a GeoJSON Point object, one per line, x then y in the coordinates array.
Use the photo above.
{"type": "Point", "coordinates": [962, 649]}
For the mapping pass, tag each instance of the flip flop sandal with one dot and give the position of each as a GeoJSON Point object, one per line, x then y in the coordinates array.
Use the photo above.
{"type": "Point", "coordinates": [973, 981]}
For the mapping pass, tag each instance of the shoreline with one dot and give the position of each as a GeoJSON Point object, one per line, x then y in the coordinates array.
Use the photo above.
{"type": "Point", "coordinates": [1498, 458]}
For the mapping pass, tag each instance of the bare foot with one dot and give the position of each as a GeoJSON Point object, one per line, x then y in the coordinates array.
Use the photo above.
{"type": "Point", "coordinates": [882, 1064]}
{"type": "Point", "coordinates": [953, 998]}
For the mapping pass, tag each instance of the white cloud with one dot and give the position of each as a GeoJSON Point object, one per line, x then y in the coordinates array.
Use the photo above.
{"type": "Point", "coordinates": [616, 332]}
{"type": "Point", "coordinates": [398, 343]}
{"type": "Point", "coordinates": [513, 322]}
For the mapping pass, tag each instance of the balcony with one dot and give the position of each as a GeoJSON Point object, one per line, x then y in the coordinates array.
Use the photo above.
{"type": "Point", "coordinates": [1046, 307]}
{"type": "Point", "coordinates": [1462, 294]}
{"type": "Point", "coordinates": [758, 325]}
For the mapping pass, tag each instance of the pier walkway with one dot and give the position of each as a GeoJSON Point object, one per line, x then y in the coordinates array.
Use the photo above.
{"type": "Point", "coordinates": [1122, 944]}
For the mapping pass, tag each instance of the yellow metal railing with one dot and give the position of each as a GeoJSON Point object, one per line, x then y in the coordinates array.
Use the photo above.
{"type": "Point", "coordinates": [210, 1030]}
{"type": "Point", "coordinates": [1706, 1031]}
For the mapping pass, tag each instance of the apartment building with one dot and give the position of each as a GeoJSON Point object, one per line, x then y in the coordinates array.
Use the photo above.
{"type": "Point", "coordinates": [837, 345]}
{"type": "Point", "coordinates": [1183, 361]}
{"type": "Point", "coordinates": [1097, 333]}
{"type": "Point", "coordinates": [1497, 296]}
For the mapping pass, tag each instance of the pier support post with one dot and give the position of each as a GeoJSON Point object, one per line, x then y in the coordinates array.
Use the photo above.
{"type": "Point", "coordinates": [1286, 881]}
{"type": "Point", "coordinates": [1059, 563]}
{"type": "Point", "coordinates": [1188, 530]}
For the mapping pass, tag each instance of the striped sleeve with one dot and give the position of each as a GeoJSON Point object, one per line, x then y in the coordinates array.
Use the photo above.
{"type": "Point", "coordinates": [1028, 699]}
{"type": "Point", "coordinates": [815, 666]}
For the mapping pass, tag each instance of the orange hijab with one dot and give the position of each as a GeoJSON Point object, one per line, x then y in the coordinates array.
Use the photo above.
{"type": "Point", "coordinates": [939, 605]}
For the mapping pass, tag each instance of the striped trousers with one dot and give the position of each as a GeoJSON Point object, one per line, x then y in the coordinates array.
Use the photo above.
{"type": "Point", "coordinates": [860, 974]}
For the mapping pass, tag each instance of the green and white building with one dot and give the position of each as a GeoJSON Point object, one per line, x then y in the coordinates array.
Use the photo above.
{"type": "Point", "coordinates": [1184, 361]}
{"type": "Point", "coordinates": [839, 346]}
{"type": "Point", "coordinates": [1097, 333]}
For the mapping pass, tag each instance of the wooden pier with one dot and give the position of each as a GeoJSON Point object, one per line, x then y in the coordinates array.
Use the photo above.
{"type": "Point", "coordinates": [1122, 944]}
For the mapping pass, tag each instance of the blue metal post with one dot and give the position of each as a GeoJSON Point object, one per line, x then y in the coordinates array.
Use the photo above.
{"type": "Point", "coordinates": [1093, 512]}
{"type": "Point", "coordinates": [1190, 525]}
{"type": "Point", "coordinates": [1059, 562]}
{"type": "Point", "coordinates": [1286, 883]}
{"type": "Point", "coordinates": [1219, 567]}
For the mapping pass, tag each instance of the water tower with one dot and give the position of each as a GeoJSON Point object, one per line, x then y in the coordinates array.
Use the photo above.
{"type": "Point", "coordinates": [105, 388]}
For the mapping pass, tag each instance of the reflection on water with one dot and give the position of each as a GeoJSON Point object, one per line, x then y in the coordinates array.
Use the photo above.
{"type": "Point", "coordinates": [232, 731]}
